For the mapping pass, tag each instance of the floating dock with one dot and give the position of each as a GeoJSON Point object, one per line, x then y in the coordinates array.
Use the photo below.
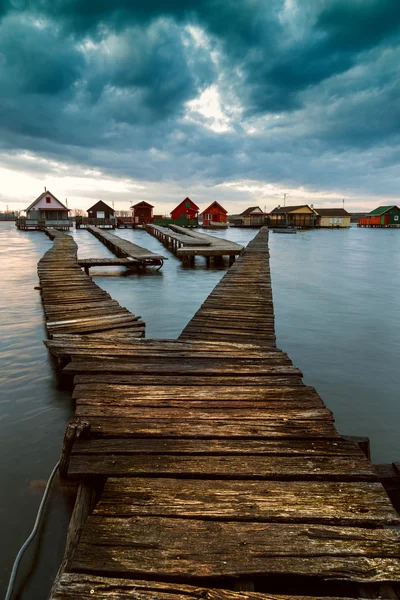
{"type": "Point", "coordinates": [124, 248]}
{"type": "Point", "coordinates": [210, 470]}
{"type": "Point", "coordinates": [187, 244]}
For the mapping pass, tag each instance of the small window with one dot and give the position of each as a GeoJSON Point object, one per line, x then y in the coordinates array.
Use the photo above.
{"type": "Point", "coordinates": [48, 200]}
{"type": "Point", "coordinates": [187, 204]}
{"type": "Point", "coordinates": [396, 218]}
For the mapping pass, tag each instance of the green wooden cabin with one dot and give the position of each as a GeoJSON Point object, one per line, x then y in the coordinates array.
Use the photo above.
{"type": "Point", "coordinates": [383, 216]}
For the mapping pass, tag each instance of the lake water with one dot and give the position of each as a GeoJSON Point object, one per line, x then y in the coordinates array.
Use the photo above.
{"type": "Point", "coordinates": [337, 307]}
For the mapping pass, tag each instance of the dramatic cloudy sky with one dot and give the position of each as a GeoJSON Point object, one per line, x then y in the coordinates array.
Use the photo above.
{"type": "Point", "coordinates": [234, 100]}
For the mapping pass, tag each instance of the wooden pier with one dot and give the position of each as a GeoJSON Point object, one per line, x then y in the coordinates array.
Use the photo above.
{"type": "Point", "coordinates": [73, 303]}
{"type": "Point", "coordinates": [187, 244]}
{"type": "Point", "coordinates": [211, 470]}
{"type": "Point", "coordinates": [124, 248]}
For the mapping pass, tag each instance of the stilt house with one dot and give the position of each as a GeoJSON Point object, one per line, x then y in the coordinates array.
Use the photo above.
{"type": "Point", "coordinates": [215, 213]}
{"type": "Point", "coordinates": [383, 216]}
{"type": "Point", "coordinates": [142, 213]}
{"type": "Point", "coordinates": [186, 213]}
{"type": "Point", "coordinates": [45, 211]}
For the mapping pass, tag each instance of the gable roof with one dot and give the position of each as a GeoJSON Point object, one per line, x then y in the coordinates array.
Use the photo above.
{"type": "Point", "coordinates": [100, 203]}
{"type": "Point", "coordinates": [332, 212]}
{"type": "Point", "coordinates": [186, 200]}
{"type": "Point", "coordinates": [382, 209]}
{"type": "Point", "coordinates": [141, 204]}
{"type": "Point", "coordinates": [246, 212]}
{"type": "Point", "coordinates": [286, 209]}
{"type": "Point", "coordinates": [214, 205]}
{"type": "Point", "coordinates": [42, 196]}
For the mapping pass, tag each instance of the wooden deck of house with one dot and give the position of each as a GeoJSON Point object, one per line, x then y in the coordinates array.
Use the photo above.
{"type": "Point", "coordinates": [187, 244]}
{"type": "Point", "coordinates": [73, 303]}
{"type": "Point", "coordinates": [125, 248]}
{"type": "Point", "coordinates": [211, 470]}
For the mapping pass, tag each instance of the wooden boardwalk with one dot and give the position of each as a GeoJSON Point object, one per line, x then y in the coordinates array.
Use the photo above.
{"type": "Point", "coordinates": [125, 248]}
{"type": "Point", "coordinates": [73, 303]}
{"type": "Point", "coordinates": [187, 244]}
{"type": "Point", "coordinates": [212, 470]}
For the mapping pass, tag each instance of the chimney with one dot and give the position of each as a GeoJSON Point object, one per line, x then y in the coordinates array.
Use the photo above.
{"type": "Point", "coordinates": [45, 189]}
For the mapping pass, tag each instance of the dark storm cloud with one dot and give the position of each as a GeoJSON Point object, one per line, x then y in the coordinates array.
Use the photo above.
{"type": "Point", "coordinates": [36, 60]}
{"type": "Point", "coordinates": [107, 84]}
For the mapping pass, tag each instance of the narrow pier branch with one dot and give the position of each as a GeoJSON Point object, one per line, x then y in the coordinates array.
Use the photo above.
{"type": "Point", "coordinates": [126, 249]}
{"type": "Point", "coordinates": [72, 302]}
{"type": "Point", "coordinates": [187, 243]}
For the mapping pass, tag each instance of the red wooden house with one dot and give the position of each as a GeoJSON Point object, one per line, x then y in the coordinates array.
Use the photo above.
{"type": "Point", "coordinates": [215, 213]}
{"type": "Point", "coordinates": [187, 209]}
{"type": "Point", "coordinates": [142, 213]}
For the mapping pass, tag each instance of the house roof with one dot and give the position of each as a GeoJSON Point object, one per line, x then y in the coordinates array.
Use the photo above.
{"type": "Point", "coordinates": [332, 212]}
{"type": "Point", "coordinates": [381, 210]}
{"type": "Point", "coordinates": [186, 200]}
{"type": "Point", "coordinates": [215, 204]}
{"type": "Point", "coordinates": [250, 210]}
{"type": "Point", "coordinates": [287, 209]}
{"type": "Point", "coordinates": [42, 196]}
{"type": "Point", "coordinates": [141, 204]}
{"type": "Point", "coordinates": [100, 203]}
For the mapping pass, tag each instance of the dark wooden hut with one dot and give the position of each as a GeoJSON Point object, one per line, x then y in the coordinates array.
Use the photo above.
{"type": "Point", "coordinates": [142, 213]}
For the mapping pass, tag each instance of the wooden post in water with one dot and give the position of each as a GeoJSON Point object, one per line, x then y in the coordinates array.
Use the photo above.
{"type": "Point", "coordinates": [76, 428]}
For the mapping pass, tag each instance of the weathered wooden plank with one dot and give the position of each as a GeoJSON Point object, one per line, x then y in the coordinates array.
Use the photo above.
{"type": "Point", "coordinates": [187, 366]}
{"type": "Point", "coordinates": [227, 467]}
{"type": "Point", "coordinates": [81, 586]}
{"type": "Point", "coordinates": [299, 396]}
{"type": "Point", "coordinates": [125, 351]}
{"type": "Point", "coordinates": [189, 413]}
{"type": "Point", "coordinates": [188, 380]}
{"type": "Point", "coordinates": [170, 547]}
{"type": "Point", "coordinates": [256, 501]}
{"type": "Point", "coordinates": [202, 409]}
{"type": "Point", "coordinates": [166, 345]}
{"type": "Point", "coordinates": [287, 447]}
{"type": "Point", "coordinates": [111, 427]}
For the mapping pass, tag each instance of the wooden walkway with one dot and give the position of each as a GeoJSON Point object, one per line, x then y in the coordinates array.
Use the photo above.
{"type": "Point", "coordinates": [187, 243]}
{"type": "Point", "coordinates": [73, 303]}
{"type": "Point", "coordinates": [124, 248]}
{"type": "Point", "coordinates": [211, 467]}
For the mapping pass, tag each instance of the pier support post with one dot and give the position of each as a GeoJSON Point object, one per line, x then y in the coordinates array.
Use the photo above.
{"type": "Point", "coordinates": [76, 428]}
{"type": "Point", "coordinates": [362, 442]}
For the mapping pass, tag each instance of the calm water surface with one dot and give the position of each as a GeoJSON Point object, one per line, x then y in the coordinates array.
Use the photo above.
{"type": "Point", "coordinates": [337, 307]}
